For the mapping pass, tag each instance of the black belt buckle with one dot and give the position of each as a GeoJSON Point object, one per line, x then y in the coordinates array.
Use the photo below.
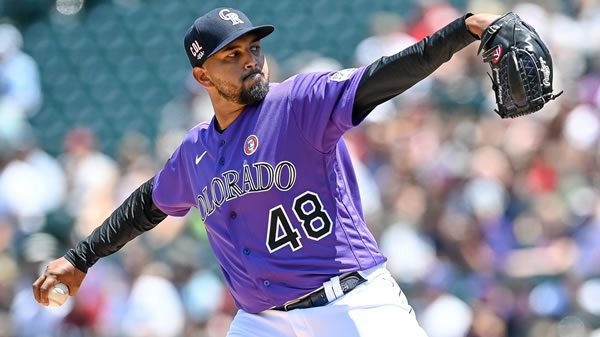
{"type": "Point", "coordinates": [286, 306]}
{"type": "Point", "coordinates": [351, 281]}
{"type": "Point", "coordinates": [318, 298]}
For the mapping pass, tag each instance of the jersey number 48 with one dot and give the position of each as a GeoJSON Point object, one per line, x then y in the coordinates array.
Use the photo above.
{"type": "Point", "coordinates": [313, 219]}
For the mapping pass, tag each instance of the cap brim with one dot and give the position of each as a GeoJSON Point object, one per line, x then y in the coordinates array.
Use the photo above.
{"type": "Point", "coordinates": [261, 32]}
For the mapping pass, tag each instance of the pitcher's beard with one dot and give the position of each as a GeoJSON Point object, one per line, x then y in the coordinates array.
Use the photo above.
{"type": "Point", "coordinates": [257, 90]}
{"type": "Point", "coordinates": [254, 89]}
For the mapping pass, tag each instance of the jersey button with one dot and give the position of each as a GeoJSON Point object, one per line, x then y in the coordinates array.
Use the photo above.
{"type": "Point", "coordinates": [267, 283]}
{"type": "Point", "coordinates": [222, 161]}
{"type": "Point", "coordinates": [246, 251]}
{"type": "Point", "coordinates": [233, 215]}
{"type": "Point", "coordinates": [222, 142]}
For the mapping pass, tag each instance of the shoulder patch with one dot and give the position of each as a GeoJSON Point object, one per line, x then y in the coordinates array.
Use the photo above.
{"type": "Point", "coordinates": [342, 75]}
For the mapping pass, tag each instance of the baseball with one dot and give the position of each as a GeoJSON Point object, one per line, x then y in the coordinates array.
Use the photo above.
{"type": "Point", "coordinates": [58, 295]}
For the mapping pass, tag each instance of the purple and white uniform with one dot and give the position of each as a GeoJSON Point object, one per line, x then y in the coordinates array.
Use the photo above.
{"type": "Point", "coordinates": [278, 195]}
{"type": "Point", "coordinates": [276, 191]}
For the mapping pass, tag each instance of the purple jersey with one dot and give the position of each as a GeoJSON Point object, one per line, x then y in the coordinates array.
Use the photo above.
{"type": "Point", "coordinates": [276, 191]}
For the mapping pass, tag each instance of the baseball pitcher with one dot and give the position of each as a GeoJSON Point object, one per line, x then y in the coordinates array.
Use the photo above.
{"type": "Point", "coordinates": [272, 179]}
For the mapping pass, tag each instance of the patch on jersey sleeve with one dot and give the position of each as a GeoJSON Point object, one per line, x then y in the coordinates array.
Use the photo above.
{"type": "Point", "coordinates": [342, 75]}
{"type": "Point", "coordinates": [251, 144]}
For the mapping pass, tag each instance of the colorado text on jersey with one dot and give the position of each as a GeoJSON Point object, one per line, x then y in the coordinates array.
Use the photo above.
{"type": "Point", "coordinates": [255, 178]}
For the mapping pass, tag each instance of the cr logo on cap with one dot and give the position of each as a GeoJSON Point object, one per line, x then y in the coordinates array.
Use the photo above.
{"type": "Point", "coordinates": [228, 15]}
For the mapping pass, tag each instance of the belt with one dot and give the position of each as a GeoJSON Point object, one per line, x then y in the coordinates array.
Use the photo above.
{"type": "Point", "coordinates": [323, 296]}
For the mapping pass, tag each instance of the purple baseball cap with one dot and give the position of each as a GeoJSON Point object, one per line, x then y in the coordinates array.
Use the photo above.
{"type": "Point", "coordinates": [216, 29]}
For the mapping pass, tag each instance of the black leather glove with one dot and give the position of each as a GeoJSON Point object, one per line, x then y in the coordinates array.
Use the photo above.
{"type": "Point", "coordinates": [521, 66]}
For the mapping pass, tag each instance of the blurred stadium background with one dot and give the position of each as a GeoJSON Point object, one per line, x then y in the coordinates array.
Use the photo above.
{"type": "Point", "coordinates": [492, 227]}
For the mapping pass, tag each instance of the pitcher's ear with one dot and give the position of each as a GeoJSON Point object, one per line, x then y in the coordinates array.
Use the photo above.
{"type": "Point", "coordinates": [201, 77]}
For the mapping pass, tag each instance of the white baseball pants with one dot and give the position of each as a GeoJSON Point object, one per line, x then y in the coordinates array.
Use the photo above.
{"type": "Point", "coordinates": [376, 308]}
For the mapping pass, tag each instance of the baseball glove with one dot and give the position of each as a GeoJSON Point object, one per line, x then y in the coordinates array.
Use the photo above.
{"type": "Point", "coordinates": [521, 66]}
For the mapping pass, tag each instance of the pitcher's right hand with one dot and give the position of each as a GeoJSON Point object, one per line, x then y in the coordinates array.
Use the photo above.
{"type": "Point", "coordinates": [57, 271]}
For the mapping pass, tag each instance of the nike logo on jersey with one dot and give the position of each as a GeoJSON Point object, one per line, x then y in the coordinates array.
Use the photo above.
{"type": "Point", "coordinates": [199, 157]}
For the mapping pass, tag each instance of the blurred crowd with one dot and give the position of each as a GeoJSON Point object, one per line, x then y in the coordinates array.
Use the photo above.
{"type": "Point", "coordinates": [492, 227]}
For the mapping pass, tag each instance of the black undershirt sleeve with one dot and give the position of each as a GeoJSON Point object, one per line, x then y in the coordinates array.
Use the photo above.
{"type": "Point", "coordinates": [137, 214]}
{"type": "Point", "coordinates": [391, 75]}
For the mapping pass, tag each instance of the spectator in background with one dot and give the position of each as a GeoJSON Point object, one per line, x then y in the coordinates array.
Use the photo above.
{"type": "Point", "coordinates": [19, 76]}
{"type": "Point", "coordinates": [32, 184]}
{"type": "Point", "coordinates": [137, 166]}
{"type": "Point", "coordinates": [20, 97]}
{"type": "Point", "coordinates": [388, 36]}
{"type": "Point", "coordinates": [161, 314]}
{"type": "Point", "coordinates": [91, 180]}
